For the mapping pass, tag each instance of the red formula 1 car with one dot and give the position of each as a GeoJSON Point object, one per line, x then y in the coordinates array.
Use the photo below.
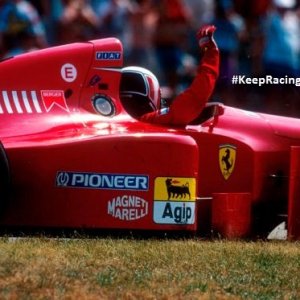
{"type": "Point", "coordinates": [73, 157]}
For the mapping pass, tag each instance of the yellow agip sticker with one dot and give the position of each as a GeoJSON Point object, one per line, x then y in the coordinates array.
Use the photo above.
{"type": "Point", "coordinates": [175, 189]}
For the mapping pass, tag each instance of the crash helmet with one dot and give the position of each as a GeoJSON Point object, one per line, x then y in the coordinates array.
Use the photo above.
{"type": "Point", "coordinates": [139, 91]}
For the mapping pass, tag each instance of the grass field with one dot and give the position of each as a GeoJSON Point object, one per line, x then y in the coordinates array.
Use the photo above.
{"type": "Point", "coordinates": [111, 268]}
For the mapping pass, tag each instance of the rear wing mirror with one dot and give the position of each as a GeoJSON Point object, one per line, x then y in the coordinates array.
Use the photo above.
{"type": "Point", "coordinates": [218, 108]}
{"type": "Point", "coordinates": [211, 112]}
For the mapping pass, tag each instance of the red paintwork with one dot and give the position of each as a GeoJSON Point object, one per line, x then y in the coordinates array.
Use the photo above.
{"type": "Point", "coordinates": [50, 129]}
{"type": "Point", "coordinates": [294, 194]}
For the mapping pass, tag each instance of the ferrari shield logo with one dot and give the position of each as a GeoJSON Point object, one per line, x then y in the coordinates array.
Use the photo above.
{"type": "Point", "coordinates": [227, 157]}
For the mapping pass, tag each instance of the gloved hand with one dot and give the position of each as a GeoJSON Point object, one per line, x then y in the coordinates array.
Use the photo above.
{"type": "Point", "coordinates": [205, 37]}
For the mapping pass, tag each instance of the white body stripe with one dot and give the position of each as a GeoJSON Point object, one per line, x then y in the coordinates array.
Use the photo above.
{"type": "Point", "coordinates": [36, 102]}
{"type": "Point", "coordinates": [26, 102]}
{"type": "Point", "coordinates": [17, 103]}
{"type": "Point", "coordinates": [23, 102]}
{"type": "Point", "coordinates": [6, 102]}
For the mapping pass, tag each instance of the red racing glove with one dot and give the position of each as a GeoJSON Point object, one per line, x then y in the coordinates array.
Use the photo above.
{"type": "Point", "coordinates": [205, 37]}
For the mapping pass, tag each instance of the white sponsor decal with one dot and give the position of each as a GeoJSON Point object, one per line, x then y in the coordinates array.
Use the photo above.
{"type": "Point", "coordinates": [127, 207]}
{"type": "Point", "coordinates": [167, 212]}
{"type": "Point", "coordinates": [53, 98]}
{"type": "Point", "coordinates": [68, 72]}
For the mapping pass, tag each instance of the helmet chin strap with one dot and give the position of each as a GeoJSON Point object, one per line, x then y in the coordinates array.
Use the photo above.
{"type": "Point", "coordinates": [152, 105]}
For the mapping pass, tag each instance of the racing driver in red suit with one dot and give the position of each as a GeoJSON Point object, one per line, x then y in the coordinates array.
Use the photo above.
{"type": "Point", "coordinates": [140, 91]}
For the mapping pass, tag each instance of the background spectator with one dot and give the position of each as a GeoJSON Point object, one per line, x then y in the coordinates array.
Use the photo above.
{"type": "Point", "coordinates": [231, 31]}
{"type": "Point", "coordinates": [230, 34]}
{"type": "Point", "coordinates": [255, 38]}
{"type": "Point", "coordinates": [78, 22]}
{"type": "Point", "coordinates": [142, 20]}
{"type": "Point", "coordinates": [170, 39]}
{"type": "Point", "coordinates": [21, 28]}
{"type": "Point", "coordinates": [282, 39]}
{"type": "Point", "coordinates": [281, 55]}
{"type": "Point", "coordinates": [113, 19]}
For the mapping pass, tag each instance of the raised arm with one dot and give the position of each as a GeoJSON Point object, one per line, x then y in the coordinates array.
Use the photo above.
{"type": "Point", "coordinates": [189, 104]}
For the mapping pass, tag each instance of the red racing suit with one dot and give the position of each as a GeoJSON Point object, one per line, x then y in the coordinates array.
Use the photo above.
{"type": "Point", "coordinates": [188, 105]}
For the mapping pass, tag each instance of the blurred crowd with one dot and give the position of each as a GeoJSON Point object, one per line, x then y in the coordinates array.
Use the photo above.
{"type": "Point", "coordinates": [255, 38]}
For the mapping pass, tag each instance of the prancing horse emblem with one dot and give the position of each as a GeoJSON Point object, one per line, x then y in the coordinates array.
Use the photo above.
{"type": "Point", "coordinates": [227, 157]}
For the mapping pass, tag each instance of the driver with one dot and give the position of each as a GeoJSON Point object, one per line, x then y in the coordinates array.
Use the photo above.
{"type": "Point", "coordinates": [140, 91]}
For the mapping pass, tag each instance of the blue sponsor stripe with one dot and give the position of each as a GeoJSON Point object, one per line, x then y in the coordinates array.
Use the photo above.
{"type": "Point", "coordinates": [102, 181]}
{"type": "Point", "coordinates": [108, 55]}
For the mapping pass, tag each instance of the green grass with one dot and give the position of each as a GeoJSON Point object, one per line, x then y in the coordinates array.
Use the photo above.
{"type": "Point", "coordinates": [107, 268]}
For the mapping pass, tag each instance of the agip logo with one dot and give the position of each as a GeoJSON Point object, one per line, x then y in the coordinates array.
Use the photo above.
{"type": "Point", "coordinates": [175, 189]}
{"type": "Point", "coordinates": [174, 200]}
{"type": "Point", "coordinates": [227, 158]}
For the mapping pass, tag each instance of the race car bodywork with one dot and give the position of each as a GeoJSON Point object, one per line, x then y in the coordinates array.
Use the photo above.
{"type": "Point", "coordinates": [72, 157]}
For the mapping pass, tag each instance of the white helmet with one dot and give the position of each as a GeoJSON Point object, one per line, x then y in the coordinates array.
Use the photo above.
{"type": "Point", "coordinates": [139, 91]}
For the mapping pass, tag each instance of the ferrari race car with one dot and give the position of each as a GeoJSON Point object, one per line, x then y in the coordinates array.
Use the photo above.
{"type": "Point", "coordinates": [72, 156]}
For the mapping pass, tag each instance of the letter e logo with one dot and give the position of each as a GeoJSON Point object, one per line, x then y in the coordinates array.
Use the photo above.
{"type": "Point", "coordinates": [68, 72]}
